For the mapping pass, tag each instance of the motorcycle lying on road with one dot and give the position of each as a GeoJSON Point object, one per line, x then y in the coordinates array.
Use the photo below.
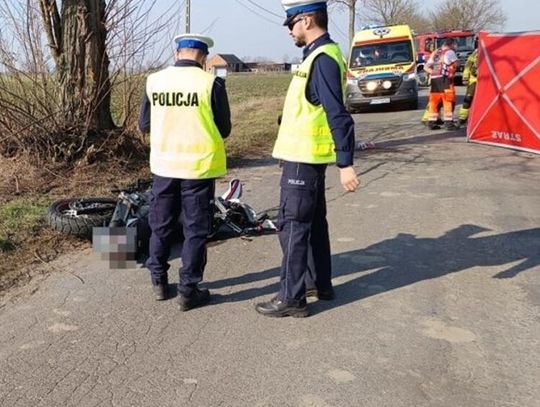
{"type": "Point", "coordinates": [128, 215]}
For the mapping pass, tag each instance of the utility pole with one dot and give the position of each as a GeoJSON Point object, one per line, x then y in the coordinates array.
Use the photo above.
{"type": "Point", "coordinates": [188, 16]}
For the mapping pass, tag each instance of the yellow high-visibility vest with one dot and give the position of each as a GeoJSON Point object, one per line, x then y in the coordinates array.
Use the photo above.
{"type": "Point", "coordinates": [470, 72]}
{"type": "Point", "coordinates": [304, 134]}
{"type": "Point", "coordinates": [184, 139]}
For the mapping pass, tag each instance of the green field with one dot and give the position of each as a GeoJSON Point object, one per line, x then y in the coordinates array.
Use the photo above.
{"type": "Point", "coordinates": [256, 102]}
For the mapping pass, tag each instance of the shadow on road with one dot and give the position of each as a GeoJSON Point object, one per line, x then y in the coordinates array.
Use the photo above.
{"type": "Point", "coordinates": [422, 139]}
{"type": "Point", "coordinates": [407, 259]}
{"type": "Point", "coordinates": [262, 161]}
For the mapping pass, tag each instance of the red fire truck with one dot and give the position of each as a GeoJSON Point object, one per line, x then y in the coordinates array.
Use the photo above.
{"type": "Point", "coordinates": [429, 42]}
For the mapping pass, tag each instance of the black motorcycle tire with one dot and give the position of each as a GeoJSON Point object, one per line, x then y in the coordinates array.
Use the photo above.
{"type": "Point", "coordinates": [81, 225]}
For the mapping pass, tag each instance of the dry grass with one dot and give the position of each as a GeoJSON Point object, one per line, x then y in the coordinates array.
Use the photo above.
{"type": "Point", "coordinates": [255, 136]}
{"type": "Point", "coordinates": [27, 188]}
{"type": "Point", "coordinates": [256, 103]}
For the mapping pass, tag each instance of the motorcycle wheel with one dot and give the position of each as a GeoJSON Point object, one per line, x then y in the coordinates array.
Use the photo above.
{"type": "Point", "coordinates": [62, 216]}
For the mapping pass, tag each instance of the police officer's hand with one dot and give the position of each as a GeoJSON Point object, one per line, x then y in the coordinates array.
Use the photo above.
{"type": "Point", "coordinates": [465, 82]}
{"type": "Point", "coordinates": [349, 179]}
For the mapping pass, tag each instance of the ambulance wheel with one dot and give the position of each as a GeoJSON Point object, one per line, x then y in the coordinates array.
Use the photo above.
{"type": "Point", "coordinates": [78, 217]}
{"type": "Point", "coordinates": [351, 109]}
{"type": "Point", "coordinates": [357, 110]}
{"type": "Point", "coordinates": [413, 105]}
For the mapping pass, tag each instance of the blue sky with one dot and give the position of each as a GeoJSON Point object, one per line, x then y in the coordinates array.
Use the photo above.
{"type": "Point", "coordinates": [258, 33]}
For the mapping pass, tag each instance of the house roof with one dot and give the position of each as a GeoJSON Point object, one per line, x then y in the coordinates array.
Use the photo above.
{"type": "Point", "coordinates": [231, 58]}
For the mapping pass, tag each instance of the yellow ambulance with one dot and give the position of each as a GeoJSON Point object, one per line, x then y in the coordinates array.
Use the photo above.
{"type": "Point", "coordinates": [382, 68]}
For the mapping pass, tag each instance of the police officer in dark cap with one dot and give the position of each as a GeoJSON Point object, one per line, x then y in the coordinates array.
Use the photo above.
{"type": "Point", "coordinates": [187, 113]}
{"type": "Point", "coordinates": [315, 131]}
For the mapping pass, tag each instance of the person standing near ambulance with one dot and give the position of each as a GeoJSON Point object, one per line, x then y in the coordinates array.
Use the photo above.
{"type": "Point", "coordinates": [442, 65]}
{"type": "Point", "coordinates": [187, 113]}
{"type": "Point", "coordinates": [315, 130]}
{"type": "Point", "coordinates": [470, 77]}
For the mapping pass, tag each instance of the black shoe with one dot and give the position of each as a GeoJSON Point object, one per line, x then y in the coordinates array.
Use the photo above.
{"type": "Point", "coordinates": [277, 308]}
{"type": "Point", "coordinates": [197, 299]}
{"type": "Point", "coordinates": [450, 126]}
{"type": "Point", "coordinates": [160, 291]}
{"type": "Point", "coordinates": [433, 126]}
{"type": "Point", "coordinates": [326, 295]}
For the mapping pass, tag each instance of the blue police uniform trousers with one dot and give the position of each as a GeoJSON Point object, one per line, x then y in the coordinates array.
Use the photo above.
{"type": "Point", "coordinates": [303, 232]}
{"type": "Point", "coordinates": [190, 199]}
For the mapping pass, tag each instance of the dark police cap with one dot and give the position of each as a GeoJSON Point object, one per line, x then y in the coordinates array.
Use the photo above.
{"type": "Point", "coordinates": [296, 7]}
{"type": "Point", "coordinates": [195, 41]}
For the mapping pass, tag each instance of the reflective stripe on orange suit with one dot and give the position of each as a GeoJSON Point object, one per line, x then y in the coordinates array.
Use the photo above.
{"type": "Point", "coordinates": [448, 98]}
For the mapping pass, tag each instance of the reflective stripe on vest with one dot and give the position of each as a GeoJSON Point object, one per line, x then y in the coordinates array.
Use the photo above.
{"type": "Point", "coordinates": [304, 134]}
{"type": "Point", "coordinates": [440, 68]}
{"type": "Point", "coordinates": [184, 139]}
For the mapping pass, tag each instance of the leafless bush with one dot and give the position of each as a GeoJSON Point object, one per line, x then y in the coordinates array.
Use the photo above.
{"type": "Point", "coordinates": [70, 77]}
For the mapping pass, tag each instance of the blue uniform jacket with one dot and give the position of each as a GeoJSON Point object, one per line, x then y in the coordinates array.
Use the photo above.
{"type": "Point", "coordinates": [325, 88]}
{"type": "Point", "coordinates": [220, 104]}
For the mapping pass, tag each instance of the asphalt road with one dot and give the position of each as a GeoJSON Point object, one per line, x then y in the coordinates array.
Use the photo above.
{"type": "Point", "coordinates": [437, 272]}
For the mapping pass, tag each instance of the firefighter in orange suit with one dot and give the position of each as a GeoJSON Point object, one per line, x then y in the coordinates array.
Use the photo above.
{"type": "Point", "coordinates": [442, 65]}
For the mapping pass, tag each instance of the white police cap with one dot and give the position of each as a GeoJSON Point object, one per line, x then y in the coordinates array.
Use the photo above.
{"type": "Point", "coordinates": [193, 41]}
{"type": "Point", "coordinates": [295, 7]}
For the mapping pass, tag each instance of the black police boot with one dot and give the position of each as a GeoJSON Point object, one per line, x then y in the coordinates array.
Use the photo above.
{"type": "Point", "coordinates": [197, 299]}
{"type": "Point", "coordinates": [160, 291]}
{"type": "Point", "coordinates": [450, 125]}
{"type": "Point", "coordinates": [326, 295]}
{"type": "Point", "coordinates": [462, 122]}
{"type": "Point", "coordinates": [433, 125]}
{"type": "Point", "coordinates": [323, 295]}
{"type": "Point", "coordinates": [277, 308]}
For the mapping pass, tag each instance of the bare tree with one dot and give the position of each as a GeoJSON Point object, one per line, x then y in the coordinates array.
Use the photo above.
{"type": "Point", "coordinates": [384, 12]}
{"type": "Point", "coordinates": [77, 36]}
{"type": "Point", "coordinates": [59, 64]}
{"type": "Point", "coordinates": [393, 12]}
{"type": "Point", "coordinates": [419, 23]}
{"type": "Point", "coordinates": [350, 6]}
{"type": "Point", "coordinates": [468, 14]}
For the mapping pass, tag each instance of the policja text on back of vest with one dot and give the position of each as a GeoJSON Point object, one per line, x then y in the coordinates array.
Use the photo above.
{"type": "Point", "coordinates": [175, 99]}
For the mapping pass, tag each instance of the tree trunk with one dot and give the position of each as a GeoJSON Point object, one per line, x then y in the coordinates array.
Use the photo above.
{"type": "Point", "coordinates": [99, 68]}
{"type": "Point", "coordinates": [83, 66]}
{"type": "Point", "coordinates": [352, 19]}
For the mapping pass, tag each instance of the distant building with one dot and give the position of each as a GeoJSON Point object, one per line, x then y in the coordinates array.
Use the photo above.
{"type": "Point", "coordinates": [222, 64]}
{"type": "Point", "coordinates": [268, 67]}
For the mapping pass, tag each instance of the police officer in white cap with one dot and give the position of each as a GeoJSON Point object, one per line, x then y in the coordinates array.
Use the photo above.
{"type": "Point", "coordinates": [315, 131]}
{"type": "Point", "coordinates": [187, 113]}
